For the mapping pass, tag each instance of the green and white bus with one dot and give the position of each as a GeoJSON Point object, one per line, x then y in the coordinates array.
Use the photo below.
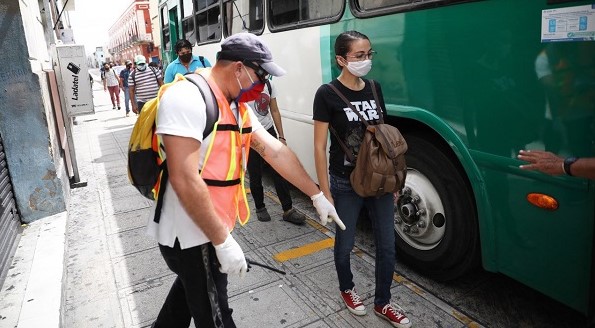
{"type": "Point", "coordinates": [469, 84]}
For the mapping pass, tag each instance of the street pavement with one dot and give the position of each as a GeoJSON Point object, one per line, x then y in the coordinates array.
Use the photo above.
{"type": "Point", "coordinates": [94, 265]}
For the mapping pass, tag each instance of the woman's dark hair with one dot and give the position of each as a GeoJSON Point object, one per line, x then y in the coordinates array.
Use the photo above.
{"type": "Point", "coordinates": [181, 44]}
{"type": "Point", "coordinates": [343, 43]}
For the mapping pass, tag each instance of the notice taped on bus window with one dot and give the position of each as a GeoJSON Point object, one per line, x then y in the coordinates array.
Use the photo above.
{"type": "Point", "coordinates": [568, 24]}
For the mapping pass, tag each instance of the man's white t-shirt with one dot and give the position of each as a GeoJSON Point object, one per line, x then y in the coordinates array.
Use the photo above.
{"type": "Point", "coordinates": [182, 112]}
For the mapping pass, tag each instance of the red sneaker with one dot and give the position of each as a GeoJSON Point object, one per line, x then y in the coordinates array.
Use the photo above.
{"type": "Point", "coordinates": [353, 302]}
{"type": "Point", "coordinates": [393, 314]}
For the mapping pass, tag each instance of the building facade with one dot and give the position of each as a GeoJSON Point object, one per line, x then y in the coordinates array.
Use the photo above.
{"type": "Point", "coordinates": [132, 34]}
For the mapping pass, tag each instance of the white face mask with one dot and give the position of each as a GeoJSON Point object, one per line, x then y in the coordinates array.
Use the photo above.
{"type": "Point", "coordinates": [360, 68]}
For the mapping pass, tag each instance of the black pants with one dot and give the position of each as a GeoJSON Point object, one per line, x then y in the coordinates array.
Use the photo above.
{"type": "Point", "coordinates": [139, 105]}
{"type": "Point", "coordinates": [256, 165]}
{"type": "Point", "coordinates": [199, 291]}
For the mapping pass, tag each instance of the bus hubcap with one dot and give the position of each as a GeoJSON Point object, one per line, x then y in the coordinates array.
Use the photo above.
{"type": "Point", "coordinates": [419, 215]}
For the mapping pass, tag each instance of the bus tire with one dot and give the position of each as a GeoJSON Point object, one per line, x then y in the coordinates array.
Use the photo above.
{"type": "Point", "coordinates": [435, 217]}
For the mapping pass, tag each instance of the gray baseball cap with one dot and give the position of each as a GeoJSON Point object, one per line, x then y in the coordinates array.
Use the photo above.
{"type": "Point", "coordinates": [247, 46]}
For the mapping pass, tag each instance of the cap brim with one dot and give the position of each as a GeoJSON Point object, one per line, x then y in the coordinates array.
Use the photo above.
{"type": "Point", "coordinates": [273, 69]}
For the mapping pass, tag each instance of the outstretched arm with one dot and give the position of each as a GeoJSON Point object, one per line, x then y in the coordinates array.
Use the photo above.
{"type": "Point", "coordinates": [284, 161]}
{"type": "Point", "coordinates": [552, 164]}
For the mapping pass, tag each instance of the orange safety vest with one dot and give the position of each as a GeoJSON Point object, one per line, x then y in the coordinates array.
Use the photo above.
{"type": "Point", "coordinates": [224, 166]}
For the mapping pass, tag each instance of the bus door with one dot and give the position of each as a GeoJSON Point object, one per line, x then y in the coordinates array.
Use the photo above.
{"type": "Point", "coordinates": [173, 31]}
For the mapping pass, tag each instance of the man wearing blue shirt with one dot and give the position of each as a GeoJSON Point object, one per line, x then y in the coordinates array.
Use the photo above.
{"type": "Point", "coordinates": [185, 62]}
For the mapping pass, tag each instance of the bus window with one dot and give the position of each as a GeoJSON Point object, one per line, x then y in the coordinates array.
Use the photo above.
{"type": "Point", "coordinates": [165, 28]}
{"type": "Point", "coordinates": [366, 8]}
{"type": "Point", "coordinates": [286, 14]}
{"type": "Point", "coordinates": [188, 21]}
{"type": "Point", "coordinates": [207, 21]}
{"type": "Point", "coordinates": [244, 15]}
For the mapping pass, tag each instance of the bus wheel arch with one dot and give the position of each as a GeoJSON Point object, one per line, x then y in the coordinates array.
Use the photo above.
{"type": "Point", "coordinates": [436, 222]}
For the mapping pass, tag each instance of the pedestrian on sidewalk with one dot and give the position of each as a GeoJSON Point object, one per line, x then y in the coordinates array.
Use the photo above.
{"type": "Point", "coordinates": [186, 61]}
{"type": "Point", "coordinates": [200, 209]}
{"type": "Point", "coordinates": [111, 82]}
{"type": "Point", "coordinates": [143, 83]}
{"type": "Point", "coordinates": [124, 74]}
{"type": "Point", "coordinates": [353, 56]}
{"type": "Point", "coordinates": [266, 110]}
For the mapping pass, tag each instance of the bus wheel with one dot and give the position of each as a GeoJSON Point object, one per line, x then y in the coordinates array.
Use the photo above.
{"type": "Point", "coordinates": [435, 219]}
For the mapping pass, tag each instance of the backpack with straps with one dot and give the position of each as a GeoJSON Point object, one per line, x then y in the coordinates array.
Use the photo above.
{"type": "Point", "coordinates": [147, 171]}
{"type": "Point", "coordinates": [380, 166]}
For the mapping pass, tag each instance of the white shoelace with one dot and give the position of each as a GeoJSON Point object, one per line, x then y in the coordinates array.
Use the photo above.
{"type": "Point", "coordinates": [354, 297]}
{"type": "Point", "coordinates": [396, 310]}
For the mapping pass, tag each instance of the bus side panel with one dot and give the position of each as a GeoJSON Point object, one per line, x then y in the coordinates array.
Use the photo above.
{"type": "Point", "coordinates": [296, 90]}
{"type": "Point", "coordinates": [483, 83]}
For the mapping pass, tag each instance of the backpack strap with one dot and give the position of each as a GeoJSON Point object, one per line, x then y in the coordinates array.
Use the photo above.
{"type": "Point", "coordinates": [202, 61]}
{"type": "Point", "coordinates": [346, 150]}
{"type": "Point", "coordinates": [376, 100]}
{"type": "Point", "coordinates": [210, 100]}
{"type": "Point", "coordinates": [268, 83]}
{"type": "Point", "coordinates": [155, 73]}
{"type": "Point", "coordinates": [162, 183]}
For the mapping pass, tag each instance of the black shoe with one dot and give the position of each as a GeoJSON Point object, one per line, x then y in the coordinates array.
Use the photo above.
{"type": "Point", "coordinates": [262, 214]}
{"type": "Point", "coordinates": [119, 107]}
{"type": "Point", "coordinates": [294, 217]}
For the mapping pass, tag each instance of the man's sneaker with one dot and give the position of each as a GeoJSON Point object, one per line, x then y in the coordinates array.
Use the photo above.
{"type": "Point", "coordinates": [262, 214]}
{"type": "Point", "coordinates": [294, 217]}
{"type": "Point", "coordinates": [353, 302]}
{"type": "Point", "coordinates": [393, 314]}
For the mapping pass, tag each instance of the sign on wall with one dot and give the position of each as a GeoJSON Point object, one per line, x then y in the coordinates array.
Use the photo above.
{"type": "Point", "coordinates": [70, 64]}
{"type": "Point", "coordinates": [568, 24]}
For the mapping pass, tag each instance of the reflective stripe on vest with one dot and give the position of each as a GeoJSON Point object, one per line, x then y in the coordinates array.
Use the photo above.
{"type": "Point", "coordinates": [224, 165]}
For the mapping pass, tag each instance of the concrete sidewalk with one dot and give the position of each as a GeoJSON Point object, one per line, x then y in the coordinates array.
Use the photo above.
{"type": "Point", "coordinates": [95, 266]}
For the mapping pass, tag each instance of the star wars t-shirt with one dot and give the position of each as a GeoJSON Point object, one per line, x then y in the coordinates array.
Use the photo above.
{"type": "Point", "coordinates": [330, 108]}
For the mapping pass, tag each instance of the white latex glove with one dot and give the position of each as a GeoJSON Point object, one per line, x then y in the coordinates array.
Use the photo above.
{"type": "Point", "coordinates": [326, 211]}
{"type": "Point", "coordinates": [231, 257]}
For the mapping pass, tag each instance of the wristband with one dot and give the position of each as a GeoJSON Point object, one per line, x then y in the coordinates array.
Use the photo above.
{"type": "Point", "coordinates": [567, 162]}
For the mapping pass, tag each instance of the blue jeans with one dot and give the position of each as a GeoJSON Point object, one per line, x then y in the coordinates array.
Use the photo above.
{"type": "Point", "coordinates": [126, 99]}
{"type": "Point", "coordinates": [381, 211]}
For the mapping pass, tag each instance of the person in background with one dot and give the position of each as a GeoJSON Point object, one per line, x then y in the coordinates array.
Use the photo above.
{"type": "Point", "coordinates": [200, 209]}
{"type": "Point", "coordinates": [143, 83]}
{"type": "Point", "coordinates": [156, 67]}
{"type": "Point", "coordinates": [124, 74]}
{"type": "Point", "coordinates": [186, 62]}
{"type": "Point", "coordinates": [549, 163]}
{"type": "Point", "coordinates": [266, 110]}
{"type": "Point", "coordinates": [111, 83]}
{"type": "Point", "coordinates": [353, 56]}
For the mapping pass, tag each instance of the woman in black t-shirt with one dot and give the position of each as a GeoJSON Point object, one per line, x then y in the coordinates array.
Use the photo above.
{"type": "Point", "coordinates": [353, 55]}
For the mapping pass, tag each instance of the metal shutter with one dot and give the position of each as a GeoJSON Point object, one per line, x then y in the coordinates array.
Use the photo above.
{"type": "Point", "coordinates": [10, 225]}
